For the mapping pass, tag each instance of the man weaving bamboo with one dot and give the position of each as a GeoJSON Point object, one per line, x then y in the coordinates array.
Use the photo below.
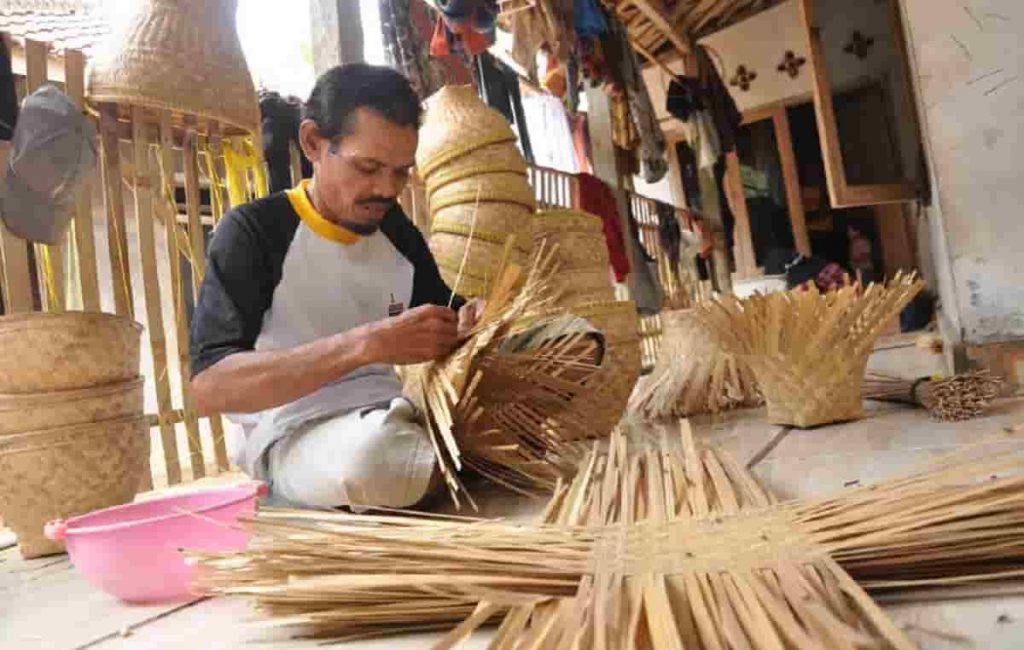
{"type": "Point", "coordinates": [313, 295]}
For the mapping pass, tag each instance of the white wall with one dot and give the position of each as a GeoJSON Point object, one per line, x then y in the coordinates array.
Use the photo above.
{"type": "Point", "coordinates": [968, 62]}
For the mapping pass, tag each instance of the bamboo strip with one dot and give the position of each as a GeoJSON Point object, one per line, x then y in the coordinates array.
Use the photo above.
{"type": "Point", "coordinates": [114, 199]}
{"type": "Point", "coordinates": [142, 139]}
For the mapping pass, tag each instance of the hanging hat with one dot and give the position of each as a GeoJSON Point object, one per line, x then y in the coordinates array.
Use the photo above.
{"type": "Point", "coordinates": [54, 149]}
{"type": "Point", "coordinates": [181, 55]}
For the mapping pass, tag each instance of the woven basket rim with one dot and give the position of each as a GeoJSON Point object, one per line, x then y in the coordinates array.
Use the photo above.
{"type": "Point", "coordinates": [16, 401]}
{"type": "Point", "coordinates": [100, 427]}
{"type": "Point", "coordinates": [130, 99]}
{"type": "Point", "coordinates": [13, 322]}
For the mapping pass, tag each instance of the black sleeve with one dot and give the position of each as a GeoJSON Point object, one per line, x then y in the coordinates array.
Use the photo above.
{"type": "Point", "coordinates": [428, 288]}
{"type": "Point", "coordinates": [243, 269]}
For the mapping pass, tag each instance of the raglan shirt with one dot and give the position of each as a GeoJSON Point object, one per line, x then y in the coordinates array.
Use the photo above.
{"type": "Point", "coordinates": [279, 275]}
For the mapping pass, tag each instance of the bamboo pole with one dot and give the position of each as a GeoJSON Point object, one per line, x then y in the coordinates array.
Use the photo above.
{"type": "Point", "coordinates": [197, 249]}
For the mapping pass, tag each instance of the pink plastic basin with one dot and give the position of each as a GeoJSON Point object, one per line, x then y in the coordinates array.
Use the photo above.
{"type": "Point", "coordinates": [133, 551]}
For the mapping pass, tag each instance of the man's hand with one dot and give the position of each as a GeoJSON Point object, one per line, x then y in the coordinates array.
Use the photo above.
{"type": "Point", "coordinates": [469, 315]}
{"type": "Point", "coordinates": [425, 333]}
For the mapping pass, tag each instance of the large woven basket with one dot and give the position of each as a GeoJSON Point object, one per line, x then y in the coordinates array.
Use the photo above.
{"type": "Point", "coordinates": [179, 55]}
{"type": "Point", "coordinates": [506, 187]}
{"type": "Point", "coordinates": [456, 123]}
{"type": "Point", "coordinates": [68, 471]}
{"type": "Point", "coordinates": [490, 217]}
{"type": "Point", "coordinates": [586, 285]}
{"type": "Point", "coordinates": [44, 352]}
{"type": "Point", "coordinates": [482, 263]}
{"type": "Point", "coordinates": [36, 411]}
{"type": "Point", "coordinates": [491, 159]}
{"type": "Point", "coordinates": [552, 222]}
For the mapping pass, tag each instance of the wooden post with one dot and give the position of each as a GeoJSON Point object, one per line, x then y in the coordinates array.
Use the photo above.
{"type": "Point", "coordinates": [113, 197]}
{"type": "Point", "coordinates": [197, 241]}
{"type": "Point", "coordinates": [49, 259]}
{"type": "Point", "coordinates": [791, 177]}
{"type": "Point", "coordinates": [74, 86]}
{"type": "Point", "coordinates": [144, 183]}
{"type": "Point", "coordinates": [746, 257]}
{"type": "Point", "coordinates": [337, 30]}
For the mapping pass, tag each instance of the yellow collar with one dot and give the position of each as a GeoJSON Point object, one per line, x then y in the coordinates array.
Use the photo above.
{"type": "Point", "coordinates": [315, 221]}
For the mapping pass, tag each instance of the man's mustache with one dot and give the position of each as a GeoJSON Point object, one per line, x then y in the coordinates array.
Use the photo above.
{"type": "Point", "coordinates": [382, 201]}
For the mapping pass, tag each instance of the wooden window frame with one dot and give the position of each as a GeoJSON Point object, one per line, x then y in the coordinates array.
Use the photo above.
{"type": "Point", "coordinates": [746, 259]}
{"type": "Point", "coordinates": [843, 194]}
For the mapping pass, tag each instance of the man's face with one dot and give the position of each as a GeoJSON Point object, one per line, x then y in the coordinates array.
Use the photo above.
{"type": "Point", "coordinates": [358, 178]}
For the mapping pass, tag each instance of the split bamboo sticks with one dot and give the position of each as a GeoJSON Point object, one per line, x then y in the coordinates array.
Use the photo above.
{"type": "Point", "coordinates": [809, 349]}
{"type": "Point", "coordinates": [659, 542]}
{"type": "Point", "coordinates": [954, 399]}
{"type": "Point", "coordinates": [693, 375]}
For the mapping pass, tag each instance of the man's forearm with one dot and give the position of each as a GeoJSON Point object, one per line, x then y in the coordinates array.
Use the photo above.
{"type": "Point", "coordinates": [247, 382]}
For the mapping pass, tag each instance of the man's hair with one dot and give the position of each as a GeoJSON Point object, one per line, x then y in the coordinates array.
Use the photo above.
{"type": "Point", "coordinates": [343, 89]}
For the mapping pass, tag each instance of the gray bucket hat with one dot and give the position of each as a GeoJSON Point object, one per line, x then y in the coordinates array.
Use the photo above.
{"type": "Point", "coordinates": [53, 149]}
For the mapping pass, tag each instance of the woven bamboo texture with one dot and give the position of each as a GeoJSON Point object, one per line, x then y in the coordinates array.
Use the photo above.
{"type": "Point", "coordinates": [64, 351]}
{"type": "Point", "coordinates": [578, 235]}
{"type": "Point", "coordinates": [659, 542]}
{"type": "Point", "coordinates": [808, 349]}
{"type": "Point", "coordinates": [68, 471]}
{"type": "Point", "coordinates": [36, 411]}
{"type": "Point", "coordinates": [183, 56]}
{"type": "Point", "coordinates": [476, 188]}
{"type": "Point", "coordinates": [693, 375]}
{"type": "Point", "coordinates": [500, 408]}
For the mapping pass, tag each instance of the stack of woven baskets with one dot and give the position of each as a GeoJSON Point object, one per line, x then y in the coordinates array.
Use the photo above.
{"type": "Point", "coordinates": [476, 182]}
{"type": "Point", "coordinates": [587, 291]}
{"type": "Point", "coordinates": [73, 437]}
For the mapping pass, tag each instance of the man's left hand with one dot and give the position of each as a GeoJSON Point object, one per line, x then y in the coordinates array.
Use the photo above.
{"type": "Point", "coordinates": [469, 315]}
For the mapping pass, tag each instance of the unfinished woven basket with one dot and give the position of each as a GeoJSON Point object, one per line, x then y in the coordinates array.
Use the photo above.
{"type": "Point", "coordinates": [36, 411]}
{"type": "Point", "coordinates": [692, 375]}
{"type": "Point", "coordinates": [457, 122]}
{"type": "Point", "coordinates": [68, 471]}
{"type": "Point", "coordinates": [808, 349]}
{"type": "Point", "coordinates": [502, 157]}
{"type": "Point", "coordinates": [505, 187]}
{"type": "Point", "coordinates": [44, 351]}
{"type": "Point", "coordinates": [179, 55]}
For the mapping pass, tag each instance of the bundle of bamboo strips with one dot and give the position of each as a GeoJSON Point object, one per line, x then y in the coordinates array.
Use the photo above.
{"type": "Point", "coordinates": [954, 399]}
{"type": "Point", "coordinates": [656, 543]}
{"type": "Point", "coordinates": [809, 349]}
{"type": "Point", "coordinates": [501, 407]}
{"type": "Point", "coordinates": [693, 375]}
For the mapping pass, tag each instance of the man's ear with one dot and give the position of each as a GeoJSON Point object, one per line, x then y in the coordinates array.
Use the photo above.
{"type": "Point", "coordinates": [310, 140]}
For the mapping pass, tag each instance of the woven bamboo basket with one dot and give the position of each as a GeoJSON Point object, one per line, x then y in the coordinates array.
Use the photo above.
{"type": "Point", "coordinates": [551, 222]}
{"type": "Point", "coordinates": [183, 56]}
{"type": "Point", "coordinates": [37, 411]}
{"type": "Point", "coordinates": [509, 188]}
{"type": "Point", "coordinates": [501, 157]}
{"type": "Point", "coordinates": [68, 471]}
{"type": "Point", "coordinates": [692, 375]}
{"type": "Point", "coordinates": [482, 261]}
{"type": "Point", "coordinates": [44, 351]}
{"type": "Point", "coordinates": [457, 122]}
{"type": "Point", "coordinates": [585, 286]}
{"type": "Point", "coordinates": [493, 217]}
{"type": "Point", "coordinates": [808, 349]}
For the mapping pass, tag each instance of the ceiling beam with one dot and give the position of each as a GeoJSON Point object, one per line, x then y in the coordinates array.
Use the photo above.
{"type": "Point", "coordinates": [659, 20]}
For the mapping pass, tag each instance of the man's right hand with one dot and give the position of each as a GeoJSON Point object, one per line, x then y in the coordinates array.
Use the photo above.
{"type": "Point", "coordinates": [425, 333]}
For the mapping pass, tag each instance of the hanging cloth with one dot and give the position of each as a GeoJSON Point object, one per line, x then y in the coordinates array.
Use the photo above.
{"type": "Point", "coordinates": [652, 140]}
{"type": "Point", "coordinates": [646, 290]}
{"type": "Point", "coordinates": [499, 88]}
{"type": "Point", "coordinates": [669, 233]}
{"type": "Point", "coordinates": [597, 198]}
{"type": "Point", "coordinates": [403, 50]}
{"type": "Point", "coordinates": [552, 143]}
{"type": "Point", "coordinates": [581, 143]}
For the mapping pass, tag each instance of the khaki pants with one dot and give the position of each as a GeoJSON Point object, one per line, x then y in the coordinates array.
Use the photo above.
{"type": "Point", "coordinates": [368, 457]}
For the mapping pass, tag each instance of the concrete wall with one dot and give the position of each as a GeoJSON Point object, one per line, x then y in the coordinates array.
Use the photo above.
{"type": "Point", "coordinates": [967, 58]}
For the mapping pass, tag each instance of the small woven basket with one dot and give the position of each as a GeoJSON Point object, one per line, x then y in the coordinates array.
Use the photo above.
{"type": "Point", "coordinates": [491, 217]}
{"type": "Point", "coordinates": [502, 157]}
{"type": "Point", "coordinates": [45, 352]}
{"type": "Point", "coordinates": [456, 123]}
{"type": "Point", "coordinates": [183, 56]}
{"type": "Point", "coordinates": [37, 411]}
{"type": "Point", "coordinates": [68, 471]}
{"type": "Point", "coordinates": [509, 188]}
